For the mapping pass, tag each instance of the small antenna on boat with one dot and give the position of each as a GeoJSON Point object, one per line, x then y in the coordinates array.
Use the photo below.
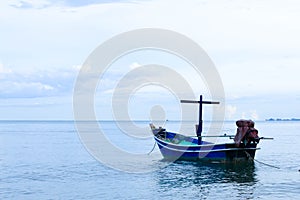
{"type": "Point", "coordinates": [200, 123]}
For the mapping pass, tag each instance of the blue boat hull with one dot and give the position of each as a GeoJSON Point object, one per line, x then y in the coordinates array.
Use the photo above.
{"type": "Point", "coordinates": [171, 149]}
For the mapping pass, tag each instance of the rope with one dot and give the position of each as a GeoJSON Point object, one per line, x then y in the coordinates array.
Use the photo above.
{"type": "Point", "coordinates": [250, 157]}
{"type": "Point", "coordinates": [266, 164]}
{"type": "Point", "coordinates": [152, 148]}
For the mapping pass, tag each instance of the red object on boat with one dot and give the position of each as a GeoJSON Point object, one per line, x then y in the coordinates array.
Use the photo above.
{"type": "Point", "coordinates": [245, 131]}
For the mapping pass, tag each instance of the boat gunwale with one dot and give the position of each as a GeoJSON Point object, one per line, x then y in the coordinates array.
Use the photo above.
{"type": "Point", "coordinates": [205, 151]}
{"type": "Point", "coordinates": [196, 145]}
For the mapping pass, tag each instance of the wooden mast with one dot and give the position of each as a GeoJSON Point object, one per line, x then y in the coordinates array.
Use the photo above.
{"type": "Point", "coordinates": [200, 122]}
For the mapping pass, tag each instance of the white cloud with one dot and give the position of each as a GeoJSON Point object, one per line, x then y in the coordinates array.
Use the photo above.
{"type": "Point", "coordinates": [254, 44]}
{"type": "Point", "coordinates": [76, 67]}
{"type": "Point", "coordinates": [4, 70]}
{"type": "Point", "coordinates": [134, 65]}
{"type": "Point", "coordinates": [254, 115]}
{"type": "Point", "coordinates": [243, 116]}
{"type": "Point", "coordinates": [230, 111]}
{"type": "Point", "coordinates": [21, 83]}
{"type": "Point", "coordinates": [246, 40]}
{"type": "Point", "coordinates": [25, 89]}
{"type": "Point", "coordinates": [272, 75]}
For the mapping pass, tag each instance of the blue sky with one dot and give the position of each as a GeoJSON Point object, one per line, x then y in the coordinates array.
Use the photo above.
{"type": "Point", "coordinates": [255, 47]}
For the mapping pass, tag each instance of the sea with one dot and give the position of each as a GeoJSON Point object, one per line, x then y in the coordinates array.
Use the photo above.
{"type": "Point", "coordinates": [51, 160]}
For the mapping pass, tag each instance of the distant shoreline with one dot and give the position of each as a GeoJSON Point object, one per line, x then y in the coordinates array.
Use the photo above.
{"type": "Point", "coordinates": [280, 119]}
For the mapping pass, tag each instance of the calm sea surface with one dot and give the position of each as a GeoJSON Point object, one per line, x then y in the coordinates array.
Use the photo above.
{"type": "Point", "coordinates": [46, 160]}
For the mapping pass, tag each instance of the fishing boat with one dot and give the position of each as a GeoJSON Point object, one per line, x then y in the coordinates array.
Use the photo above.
{"type": "Point", "coordinates": [175, 146]}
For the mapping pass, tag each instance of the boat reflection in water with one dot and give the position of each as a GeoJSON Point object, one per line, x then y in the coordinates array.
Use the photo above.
{"type": "Point", "coordinates": [207, 180]}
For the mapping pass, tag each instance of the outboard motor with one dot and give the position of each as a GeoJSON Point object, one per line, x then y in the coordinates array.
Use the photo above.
{"type": "Point", "coordinates": [246, 133]}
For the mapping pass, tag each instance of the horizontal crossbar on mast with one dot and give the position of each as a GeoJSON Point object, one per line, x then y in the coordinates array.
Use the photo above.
{"type": "Point", "coordinates": [200, 124]}
{"type": "Point", "coordinates": [203, 102]}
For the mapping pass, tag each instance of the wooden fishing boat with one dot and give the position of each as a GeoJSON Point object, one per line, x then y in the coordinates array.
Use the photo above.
{"type": "Point", "coordinates": [175, 146]}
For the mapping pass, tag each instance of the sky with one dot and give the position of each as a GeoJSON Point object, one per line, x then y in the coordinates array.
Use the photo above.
{"type": "Point", "coordinates": [254, 45]}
